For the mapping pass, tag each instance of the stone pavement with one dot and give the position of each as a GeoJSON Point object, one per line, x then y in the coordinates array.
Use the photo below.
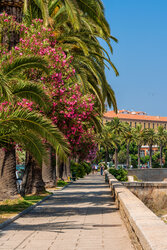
{"type": "Point", "coordinates": [83, 216]}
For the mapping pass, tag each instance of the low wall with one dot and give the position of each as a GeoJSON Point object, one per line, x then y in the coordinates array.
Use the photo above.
{"type": "Point", "coordinates": [146, 187]}
{"type": "Point", "coordinates": [146, 230]}
{"type": "Point", "coordinates": [153, 174]}
{"type": "Point", "coordinates": [153, 194]}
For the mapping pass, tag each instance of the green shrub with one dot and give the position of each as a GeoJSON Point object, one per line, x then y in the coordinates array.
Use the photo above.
{"type": "Point", "coordinates": [136, 178]}
{"type": "Point", "coordinates": [61, 183]}
{"type": "Point", "coordinates": [119, 174]}
{"type": "Point", "coordinates": [87, 167]}
{"type": "Point", "coordinates": [77, 170]}
{"type": "Point", "coordinates": [156, 165]}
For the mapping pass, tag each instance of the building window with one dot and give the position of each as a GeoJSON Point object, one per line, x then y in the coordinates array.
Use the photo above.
{"type": "Point", "coordinates": [153, 125]}
{"type": "Point", "coordinates": [148, 125]}
{"type": "Point", "coordinates": [164, 126]}
{"type": "Point", "coordinates": [144, 125]}
{"type": "Point", "coordinates": [130, 124]}
{"type": "Point", "coordinates": [135, 124]}
{"type": "Point", "coordinates": [142, 153]}
{"type": "Point", "coordinates": [157, 125]}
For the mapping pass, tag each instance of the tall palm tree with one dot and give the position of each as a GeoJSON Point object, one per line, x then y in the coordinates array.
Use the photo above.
{"type": "Point", "coordinates": [118, 130]}
{"type": "Point", "coordinates": [89, 56]}
{"type": "Point", "coordinates": [74, 9]}
{"type": "Point", "coordinates": [151, 139]}
{"type": "Point", "coordinates": [162, 141]}
{"type": "Point", "coordinates": [26, 129]}
{"type": "Point", "coordinates": [138, 139]}
{"type": "Point", "coordinates": [127, 137]}
{"type": "Point", "coordinates": [107, 140]}
{"type": "Point", "coordinates": [12, 89]}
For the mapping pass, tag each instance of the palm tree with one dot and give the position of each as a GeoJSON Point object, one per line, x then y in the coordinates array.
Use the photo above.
{"type": "Point", "coordinates": [127, 138]}
{"type": "Point", "coordinates": [12, 88]}
{"type": "Point", "coordinates": [73, 9]}
{"type": "Point", "coordinates": [151, 139]}
{"type": "Point", "coordinates": [117, 128]}
{"type": "Point", "coordinates": [162, 141]}
{"type": "Point", "coordinates": [26, 129]}
{"type": "Point", "coordinates": [138, 139]}
{"type": "Point", "coordinates": [81, 42]}
{"type": "Point", "coordinates": [106, 139]}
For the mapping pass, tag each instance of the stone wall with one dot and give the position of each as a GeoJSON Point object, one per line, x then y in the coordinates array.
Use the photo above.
{"type": "Point", "coordinates": [153, 194]}
{"type": "Point", "coordinates": [147, 231]}
{"type": "Point", "coordinates": [153, 174]}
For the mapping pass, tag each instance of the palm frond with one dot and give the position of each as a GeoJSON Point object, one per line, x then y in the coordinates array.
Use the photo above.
{"type": "Point", "coordinates": [33, 92]}
{"type": "Point", "coordinates": [37, 123]}
{"type": "Point", "coordinates": [24, 63]}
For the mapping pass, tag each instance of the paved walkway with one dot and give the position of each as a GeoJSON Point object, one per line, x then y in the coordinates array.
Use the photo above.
{"type": "Point", "coordinates": [81, 217]}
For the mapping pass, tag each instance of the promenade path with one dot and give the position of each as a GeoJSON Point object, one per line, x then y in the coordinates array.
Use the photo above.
{"type": "Point", "coordinates": [83, 216]}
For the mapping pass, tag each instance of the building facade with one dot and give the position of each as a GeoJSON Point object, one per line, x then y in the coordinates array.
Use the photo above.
{"type": "Point", "coordinates": [145, 150]}
{"type": "Point", "coordinates": [134, 118]}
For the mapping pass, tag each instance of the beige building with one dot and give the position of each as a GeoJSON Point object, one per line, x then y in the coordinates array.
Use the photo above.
{"type": "Point", "coordinates": [134, 118]}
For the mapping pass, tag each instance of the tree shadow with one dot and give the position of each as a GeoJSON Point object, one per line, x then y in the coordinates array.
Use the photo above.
{"type": "Point", "coordinates": [70, 203]}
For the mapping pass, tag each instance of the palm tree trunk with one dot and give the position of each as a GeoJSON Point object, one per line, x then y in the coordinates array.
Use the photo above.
{"type": "Point", "coordinates": [61, 170]}
{"type": "Point", "coordinates": [57, 167]}
{"type": "Point", "coordinates": [25, 176]}
{"type": "Point", "coordinates": [68, 168]}
{"type": "Point", "coordinates": [161, 163]}
{"type": "Point", "coordinates": [127, 155]}
{"type": "Point", "coordinates": [138, 154]}
{"type": "Point", "coordinates": [13, 8]}
{"type": "Point", "coordinates": [45, 12]}
{"type": "Point", "coordinates": [150, 161]}
{"type": "Point", "coordinates": [65, 176]}
{"type": "Point", "coordinates": [47, 169]}
{"type": "Point", "coordinates": [35, 184]}
{"type": "Point", "coordinates": [25, 7]}
{"type": "Point", "coordinates": [116, 158]}
{"type": "Point", "coordinates": [8, 158]}
{"type": "Point", "coordinates": [8, 174]}
{"type": "Point", "coordinates": [106, 157]}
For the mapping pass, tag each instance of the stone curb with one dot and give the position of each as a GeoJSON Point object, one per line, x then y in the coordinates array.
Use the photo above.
{"type": "Point", "coordinates": [10, 220]}
{"type": "Point", "coordinates": [148, 232]}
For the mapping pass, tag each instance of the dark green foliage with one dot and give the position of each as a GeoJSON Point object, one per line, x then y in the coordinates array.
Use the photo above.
{"type": "Point", "coordinates": [122, 157]}
{"type": "Point", "coordinates": [165, 165]}
{"type": "Point", "coordinates": [134, 160]}
{"type": "Point", "coordinates": [87, 167]}
{"type": "Point", "coordinates": [77, 170]}
{"type": "Point", "coordinates": [105, 166]}
{"type": "Point", "coordinates": [145, 159]}
{"type": "Point", "coordinates": [61, 183]}
{"type": "Point", "coordinates": [155, 160]}
{"type": "Point", "coordinates": [119, 174]}
{"type": "Point", "coordinates": [133, 148]}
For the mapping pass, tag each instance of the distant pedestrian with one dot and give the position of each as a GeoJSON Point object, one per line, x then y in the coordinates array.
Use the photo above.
{"type": "Point", "coordinates": [93, 169]}
{"type": "Point", "coordinates": [96, 168]}
{"type": "Point", "coordinates": [101, 169]}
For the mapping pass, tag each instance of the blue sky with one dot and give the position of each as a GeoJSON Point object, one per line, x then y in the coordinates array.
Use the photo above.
{"type": "Point", "coordinates": [141, 54]}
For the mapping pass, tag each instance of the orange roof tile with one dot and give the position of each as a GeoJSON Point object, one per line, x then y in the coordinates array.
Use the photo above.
{"type": "Point", "coordinates": [112, 114]}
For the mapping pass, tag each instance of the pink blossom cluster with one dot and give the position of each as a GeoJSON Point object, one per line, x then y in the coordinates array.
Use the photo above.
{"type": "Point", "coordinates": [71, 110]}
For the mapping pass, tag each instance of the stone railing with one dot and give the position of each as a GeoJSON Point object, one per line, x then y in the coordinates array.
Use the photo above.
{"type": "Point", "coordinates": [146, 230]}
